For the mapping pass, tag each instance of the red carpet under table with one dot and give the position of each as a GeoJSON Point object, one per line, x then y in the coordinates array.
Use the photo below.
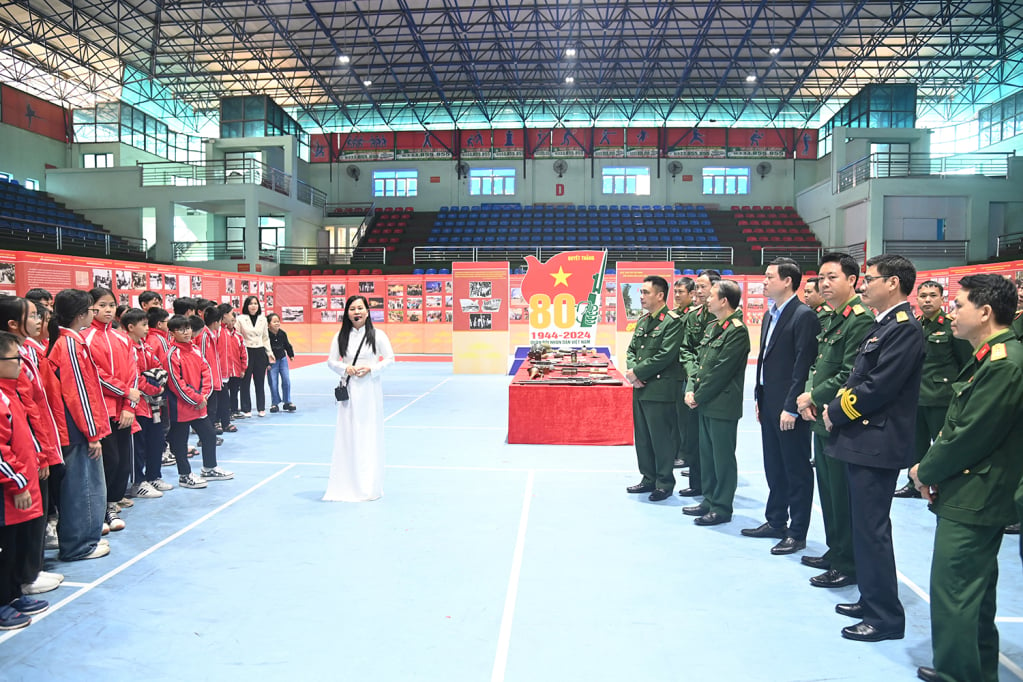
{"type": "Point", "coordinates": [569, 415]}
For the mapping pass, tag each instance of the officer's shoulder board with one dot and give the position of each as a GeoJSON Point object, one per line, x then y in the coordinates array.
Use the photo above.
{"type": "Point", "coordinates": [672, 314]}
{"type": "Point", "coordinates": [737, 322]}
{"type": "Point", "coordinates": [902, 316]}
{"type": "Point", "coordinates": [858, 309]}
{"type": "Point", "coordinates": [998, 352]}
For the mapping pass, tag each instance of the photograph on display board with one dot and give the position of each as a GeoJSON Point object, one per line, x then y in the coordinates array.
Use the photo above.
{"type": "Point", "coordinates": [516, 295]}
{"type": "Point", "coordinates": [262, 288]}
{"type": "Point", "coordinates": [124, 299]}
{"type": "Point", "coordinates": [395, 304]}
{"type": "Point", "coordinates": [414, 290]}
{"type": "Point", "coordinates": [395, 315]}
{"type": "Point", "coordinates": [102, 278]}
{"type": "Point", "coordinates": [414, 303]}
{"type": "Point", "coordinates": [269, 287]}
{"type": "Point", "coordinates": [415, 315]}
{"type": "Point", "coordinates": [480, 289]}
{"type": "Point", "coordinates": [449, 301]}
{"type": "Point", "coordinates": [7, 274]}
{"type": "Point", "coordinates": [449, 315]}
{"type": "Point", "coordinates": [321, 290]}
{"type": "Point", "coordinates": [517, 314]}
{"type": "Point", "coordinates": [236, 302]}
{"type": "Point", "coordinates": [245, 286]}
{"type": "Point", "coordinates": [395, 289]}
{"type": "Point", "coordinates": [481, 321]}
{"type": "Point", "coordinates": [630, 296]}
{"type": "Point", "coordinates": [492, 305]}
{"type": "Point", "coordinates": [170, 282]}
{"type": "Point", "coordinates": [376, 302]}
{"type": "Point", "coordinates": [610, 316]}
{"type": "Point", "coordinates": [448, 287]}
{"type": "Point", "coordinates": [269, 301]}
{"type": "Point", "coordinates": [434, 302]}
{"type": "Point", "coordinates": [292, 313]}
{"type": "Point", "coordinates": [196, 284]}
{"type": "Point", "coordinates": [138, 280]}
{"type": "Point", "coordinates": [611, 301]}
{"type": "Point", "coordinates": [229, 285]}
{"type": "Point", "coordinates": [756, 288]}
{"type": "Point", "coordinates": [336, 289]}
{"type": "Point", "coordinates": [328, 316]}
{"type": "Point", "coordinates": [469, 305]}
{"type": "Point", "coordinates": [123, 279]}
{"type": "Point", "coordinates": [367, 287]}
{"type": "Point", "coordinates": [319, 302]}
{"type": "Point", "coordinates": [337, 302]}
{"type": "Point", "coordinates": [433, 316]}
{"type": "Point", "coordinates": [433, 287]}
{"type": "Point", "coordinates": [168, 302]}
{"type": "Point", "coordinates": [376, 315]}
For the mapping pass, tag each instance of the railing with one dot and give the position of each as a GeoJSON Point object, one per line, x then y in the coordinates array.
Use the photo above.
{"type": "Point", "coordinates": [223, 250]}
{"type": "Point", "coordinates": [696, 254]}
{"type": "Point", "coordinates": [920, 248]}
{"type": "Point", "coordinates": [804, 255]}
{"type": "Point", "coordinates": [858, 251]}
{"type": "Point", "coordinates": [898, 165]}
{"type": "Point", "coordinates": [222, 172]}
{"type": "Point", "coordinates": [308, 194]}
{"type": "Point", "coordinates": [64, 238]}
{"type": "Point", "coordinates": [349, 209]}
{"type": "Point", "coordinates": [312, 255]}
{"type": "Point", "coordinates": [1009, 244]}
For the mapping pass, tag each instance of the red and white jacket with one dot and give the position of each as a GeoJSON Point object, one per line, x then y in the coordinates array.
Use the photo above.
{"type": "Point", "coordinates": [237, 356]}
{"type": "Point", "coordinates": [28, 390]}
{"type": "Point", "coordinates": [145, 359]}
{"type": "Point", "coordinates": [189, 380]}
{"type": "Point", "coordinates": [18, 463]}
{"type": "Point", "coordinates": [117, 374]}
{"type": "Point", "coordinates": [80, 389]}
{"type": "Point", "coordinates": [207, 343]}
{"type": "Point", "coordinates": [33, 352]}
{"type": "Point", "coordinates": [159, 342]}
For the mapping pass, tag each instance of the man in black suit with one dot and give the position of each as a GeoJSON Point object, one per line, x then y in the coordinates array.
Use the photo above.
{"type": "Point", "coordinates": [788, 347]}
{"type": "Point", "coordinates": [872, 422]}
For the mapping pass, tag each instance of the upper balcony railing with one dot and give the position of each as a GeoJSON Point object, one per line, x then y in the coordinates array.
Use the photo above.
{"type": "Point", "coordinates": [221, 172]}
{"type": "Point", "coordinates": [900, 165]}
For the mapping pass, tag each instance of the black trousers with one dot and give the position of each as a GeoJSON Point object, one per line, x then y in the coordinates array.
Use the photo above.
{"type": "Point", "coordinates": [234, 385]}
{"type": "Point", "coordinates": [53, 487]}
{"type": "Point", "coordinates": [789, 474]}
{"type": "Point", "coordinates": [222, 415]}
{"type": "Point", "coordinates": [149, 449]}
{"type": "Point", "coordinates": [179, 443]}
{"type": "Point", "coordinates": [870, 501]}
{"type": "Point", "coordinates": [255, 373]}
{"type": "Point", "coordinates": [117, 464]}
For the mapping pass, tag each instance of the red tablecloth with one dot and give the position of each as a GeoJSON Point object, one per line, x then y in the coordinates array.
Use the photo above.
{"type": "Point", "coordinates": [569, 415]}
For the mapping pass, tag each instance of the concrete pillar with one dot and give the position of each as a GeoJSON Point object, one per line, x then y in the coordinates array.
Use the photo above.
{"type": "Point", "coordinates": [163, 251]}
{"type": "Point", "coordinates": [251, 229]}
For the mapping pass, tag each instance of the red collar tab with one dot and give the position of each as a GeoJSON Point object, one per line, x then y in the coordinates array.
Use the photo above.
{"type": "Point", "coordinates": [941, 319]}
{"type": "Point", "coordinates": [848, 309]}
{"type": "Point", "coordinates": [725, 325]}
{"type": "Point", "coordinates": [983, 351]}
{"type": "Point", "coordinates": [661, 318]}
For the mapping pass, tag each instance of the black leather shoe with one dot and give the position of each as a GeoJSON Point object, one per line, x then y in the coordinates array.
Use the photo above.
{"type": "Point", "coordinates": [861, 632]}
{"type": "Point", "coordinates": [689, 492]}
{"type": "Point", "coordinates": [764, 530]}
{"type": "Point", "coordinates": [1012, 529]}
{"type": "Point", "coordinates": [679, 463]}
{"type": "Point", "coordinates": [832, 578]}
{"type": "Point", "coordinates": [927, 674]}
{"type": "Point", "coordinates": [695, 510]}
{"type": "Point", "coordinates": [639, 488]}
{"type": "Point", "coordinates": [788, 546]}
{"type": "Point", "coordinates": [815, 562]}
{"type": "Point", "coordinates": [851, 610]}
{"type": "Point", "coordinates": [659, 494]}
{"type": "Point", "coordinates": [711, 519]}
{"type": "Point", "coordinates": [907, 491]}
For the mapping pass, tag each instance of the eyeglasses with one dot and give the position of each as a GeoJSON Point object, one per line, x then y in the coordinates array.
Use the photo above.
{"type": "Point", "coordinates": [867, 279]}
{"type": "Point", "coordinates": [13, 357]}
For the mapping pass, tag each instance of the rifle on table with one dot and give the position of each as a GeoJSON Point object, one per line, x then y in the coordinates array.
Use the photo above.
{"type": "Point", "coordinates": [571, 381]}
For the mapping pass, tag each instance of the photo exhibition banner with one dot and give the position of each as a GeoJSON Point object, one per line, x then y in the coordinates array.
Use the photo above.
{"type": "Point", "coordinates": [563, 298]}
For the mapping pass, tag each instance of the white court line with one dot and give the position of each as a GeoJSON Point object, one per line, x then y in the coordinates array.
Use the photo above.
{"type": "Point", "coordinates": [139, 557]}
{"type": "Point", "coordinates": [508, 617]}
{"type": "Point", "coordinates": [391, 426]}
{"type": "Point", "coordinates": [413, 402]}
{"type": "Point", "coordinates": [1009, 619]}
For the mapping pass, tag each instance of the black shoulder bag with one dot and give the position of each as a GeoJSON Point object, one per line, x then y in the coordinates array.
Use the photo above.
{"type": "Point", "coordinates": [341, 390]}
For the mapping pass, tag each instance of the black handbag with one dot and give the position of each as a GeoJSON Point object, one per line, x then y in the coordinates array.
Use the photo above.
{"type": "Point", "coordinates": [341, 390]}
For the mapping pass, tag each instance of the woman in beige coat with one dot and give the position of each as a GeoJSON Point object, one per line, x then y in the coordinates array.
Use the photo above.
{"type": "Point", "coordinates": [252, 324]}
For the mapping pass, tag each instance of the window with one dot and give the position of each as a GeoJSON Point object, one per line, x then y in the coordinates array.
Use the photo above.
{"type": "Point", "coordinates": [492, 181]}
{"type": "Point", "coordinates": [626, 181]}
{"type": "Point", "coordinates": [726, 180]}
{"type": "Point", "coordinates": [97, 160]}
{"type": "Point", "coordinates": [399, 183]}
{"type": "Point", "coordinates": [31, 184]}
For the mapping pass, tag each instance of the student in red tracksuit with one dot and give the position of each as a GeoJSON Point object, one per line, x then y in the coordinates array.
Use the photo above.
{"type": "Point", "coordinates": [111, 351]}
{"type": "Point", "coordinates": [237, 358]}
{"type": "Point", "coordinates": [19, 486]}
{"type": "Point", "coordinates": [19, 317]}
{"type": "Point", "coordinates": [190, 383]}
{"type": "Point", "coordinates": [146, 476]}
{"type": "Point", "coordinates": [83, 490]}
{"type": "Point", "coordinates": [207, 342]}
{"type": "Point", "coordinates": [158, 341]}
{"type": "Point", "coordinates": [223, 416]}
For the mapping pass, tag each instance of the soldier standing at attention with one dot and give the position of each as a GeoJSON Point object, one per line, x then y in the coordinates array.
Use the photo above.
{"type": "Point", "coordinates": [653, 370]}
{"type": "Point", "coordinates": [944, 357]}
{"type": "Point", "coordinates": [812, 294]}
{"type": "Point", "coordinates": [969, 476]}
{"type": "Point", "coordinates": [684, 287]}
{"type": "Point", "coordinates": [697, 321]}
{"type": "Point", "coordinates": [836, 349]}
{"type": "Point", "coordinates": [716, 389]}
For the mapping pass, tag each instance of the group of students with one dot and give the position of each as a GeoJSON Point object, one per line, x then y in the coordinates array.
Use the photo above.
{"type": "Point", "coordinates": [95, 399]}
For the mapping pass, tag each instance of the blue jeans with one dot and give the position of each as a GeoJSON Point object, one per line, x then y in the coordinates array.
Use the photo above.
{"type": "Point", "coordinates": [83, 503]}
{"type": "Point", "coordinates": [280, 369]}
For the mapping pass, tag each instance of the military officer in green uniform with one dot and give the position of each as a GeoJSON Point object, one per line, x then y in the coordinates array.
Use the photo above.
{"type": "Point", "coordinates": [653, 371]}
{"type": "Point", "coordinates": [696, 321]}
{"type": "Point", "coordinates": [944, 357]}
{"type": "Point", "coordinates": [1017, 321]}
{"type": "Point", "coordinates": [812, 295]}
{"type": "Point", "coordinates": [684, 287]}
{"type": "Point", "coordinates": [838, 345]}
{"type": "Point", "coordinates": [969, 475]}
{"type": "Point", "coordinates": [715, 391]}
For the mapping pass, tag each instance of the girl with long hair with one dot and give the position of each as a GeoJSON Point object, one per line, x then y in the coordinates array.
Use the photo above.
{"type": "Point", "coordinates": [251, 323]}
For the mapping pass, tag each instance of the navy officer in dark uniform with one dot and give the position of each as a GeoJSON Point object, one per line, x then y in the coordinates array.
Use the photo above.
{"type": "Point", "coordinates": [872, 422]}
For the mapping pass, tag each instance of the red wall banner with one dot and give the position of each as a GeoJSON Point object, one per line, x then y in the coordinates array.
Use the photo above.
{"type": "Point", "coordinates": [22, 110]}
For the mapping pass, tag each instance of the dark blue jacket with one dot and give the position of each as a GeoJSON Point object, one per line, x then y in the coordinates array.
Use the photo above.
{"type": "Point", "coordinates": [785, 364]}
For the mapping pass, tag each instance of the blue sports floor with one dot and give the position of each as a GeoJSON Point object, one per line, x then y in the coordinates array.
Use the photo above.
{"type": "Point", "coordinates": [483, 561]}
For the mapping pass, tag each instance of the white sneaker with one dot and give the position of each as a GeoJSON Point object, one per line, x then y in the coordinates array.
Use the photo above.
{"type": "Point", "coordinates": [114, 522]}
{"type": "Point", "coordinates": [160, 485]}
{"type": "Point", "coordinates": [41, 584]}
{"type": "Point", "coordinates": [145, 490]}
{"type": "Point", "coordinates": [59, 577]}
{"type": "Point", "coordinates": [51, 537]}
{"type": "Point", "coordinates": [106, 529]}
{"type": "Point", "coordinates": [101, 551]}
{"type": "Point", "coordinates": [103, 542]}
{"type": "Point", "coordinates": [191, 481]}
{"type": "Point", "coordinates": [168, 460]}
{"type": "Point", "coordinates": [217, 474]}
{"type": "Point", "coordinates": [125, 503]}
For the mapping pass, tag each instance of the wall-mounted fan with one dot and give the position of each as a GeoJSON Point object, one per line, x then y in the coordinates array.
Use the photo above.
{"type": "Point", "coordinates": [353, 172]}
{"type": "Point", "coordinates": [674, 167]}
{"type": "Point", "coordinates": [763, 168]}
{"type": "Point", "coordinates": [560, 166]}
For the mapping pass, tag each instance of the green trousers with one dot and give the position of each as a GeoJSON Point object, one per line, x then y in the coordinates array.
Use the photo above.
{"type": "Point", "coordinates": [655, 440]}
{"type": "Point", "coordinates": [964, 577]}
{"type": "Point", "coordinates": [688, 432]}
{"type": "Point", "coordinates": [719, 473]}
{"type": "Point", "coordinates": [833, 487]}
{"type": "Point", "coordinates": [929, 420]}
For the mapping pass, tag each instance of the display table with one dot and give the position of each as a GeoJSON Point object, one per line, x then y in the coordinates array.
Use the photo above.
{"type": "Point", "coordinates": [569, 415]}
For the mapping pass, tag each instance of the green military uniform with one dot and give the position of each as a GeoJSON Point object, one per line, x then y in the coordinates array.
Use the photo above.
{"type": "Point", "coordinates": [823, 311]}
{"type": "Point", "coordinates": [944, 357]}
{"type": "Point", "coordinates": [653, 358]}
{"type": "Point", "coordinates": [975, 465]}
{"type": "Point", "coordinates": [1017, 325]}
{"type": "Point", "coordinates": [838, 345]}
{"type": "Point", "coordinates": [717, 388]}
{"type": "Point", "coordinates": [681, 409]}
{"type": "Point", "coordinates": [696, 322]}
